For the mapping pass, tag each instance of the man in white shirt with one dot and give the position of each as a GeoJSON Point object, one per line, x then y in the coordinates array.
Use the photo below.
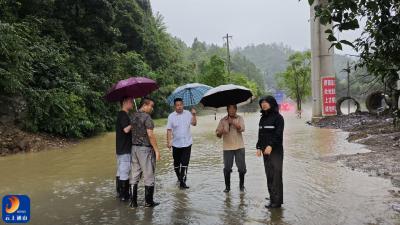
{"type": "Point", "coordinates": [179, 139]}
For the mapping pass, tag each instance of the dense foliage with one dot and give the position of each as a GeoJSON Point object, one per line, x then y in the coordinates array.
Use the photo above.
{"type": "Point", "coordinates": [61, 56]}
{"type": "Point", "coordinates": [210, 66]}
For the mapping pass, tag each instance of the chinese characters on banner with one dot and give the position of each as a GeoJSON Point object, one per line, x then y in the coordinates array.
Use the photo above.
{"type": "Point", "coordinates": [328, 96]}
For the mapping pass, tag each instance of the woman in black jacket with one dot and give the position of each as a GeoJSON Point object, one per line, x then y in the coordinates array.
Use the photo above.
{"type": "Point", "coordinates": [269, 144]}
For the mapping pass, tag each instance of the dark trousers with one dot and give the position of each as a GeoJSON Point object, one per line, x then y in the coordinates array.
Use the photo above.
{"type": "Point", "coordinates": [181, 161]}
{"type": "Point", "coordinates": [273, 170]}
{"type": "Point", "coordinates": [238, 156]}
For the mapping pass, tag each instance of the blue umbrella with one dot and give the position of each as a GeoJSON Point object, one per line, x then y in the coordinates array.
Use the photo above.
{"type": "Point", "coordinates": [190, 93]}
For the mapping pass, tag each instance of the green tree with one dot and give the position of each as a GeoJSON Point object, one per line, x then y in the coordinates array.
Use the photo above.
{"type": "Point", "coordinates": [240, 64]}
{"type": "Point", "coordinates": [62, 56]}
{"type": "Point", "coordinates": [296, 80]}
{"type": "Point", "coordinates": [15, 61]}
{"type": "Point", "coordinates": [214, 72]}
{"type": "Point", "coordinates": [240, 79]}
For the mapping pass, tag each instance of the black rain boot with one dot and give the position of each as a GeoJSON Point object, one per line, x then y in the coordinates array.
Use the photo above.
{"type": "Point", "coordinates": [149, 195]}
{"type": "Point", "coordinates": [182, 179]}
{"type": "Point", "coordinates": [124, 190]}
{"type": "Point", "coordinates": [273, 206]}
{"type": "Point", "coordinates": [134, 188]}
{"type": "Point", "coordinates": [227, 176]}
{"type": "Point", "coordinates": [118, 187]}
{"type": "Point", "coordinates": [241, 181]}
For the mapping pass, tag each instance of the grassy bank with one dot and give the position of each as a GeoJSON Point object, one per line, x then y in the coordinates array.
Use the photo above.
{"type": "Point", "coordinates": [161, 122]}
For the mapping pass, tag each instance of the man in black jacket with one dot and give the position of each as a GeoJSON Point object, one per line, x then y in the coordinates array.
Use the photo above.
{"type": "Point", "coordinates": [269, 145]}
{"type": "Point", "coordinates": [123, 149]}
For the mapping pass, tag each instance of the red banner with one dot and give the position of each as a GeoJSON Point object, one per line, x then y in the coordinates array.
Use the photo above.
{"type": "Point", "coordinates": [328, 96]}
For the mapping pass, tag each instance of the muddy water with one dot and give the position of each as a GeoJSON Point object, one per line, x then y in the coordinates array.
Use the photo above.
{"type": "Point", "coordinates": [75, 186]}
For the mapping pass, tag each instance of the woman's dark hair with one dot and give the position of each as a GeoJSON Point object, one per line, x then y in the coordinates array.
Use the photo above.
{"type": "Point", "coordinates": [271, 101]}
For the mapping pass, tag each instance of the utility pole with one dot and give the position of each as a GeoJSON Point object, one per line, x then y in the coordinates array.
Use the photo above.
{"type": "Point", "coordinates": [228, 63]}
{"type": "Point", "coordinates": [348, 86]}
{"type": "Point", "coordinates": [348, 70]}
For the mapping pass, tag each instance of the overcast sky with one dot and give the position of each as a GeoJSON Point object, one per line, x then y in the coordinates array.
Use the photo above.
{"type": "Point", "coordinates": [248, 21]}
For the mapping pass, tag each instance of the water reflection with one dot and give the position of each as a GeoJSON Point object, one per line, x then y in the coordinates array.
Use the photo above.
{"type": "Point", "coordinates": [76, 186]}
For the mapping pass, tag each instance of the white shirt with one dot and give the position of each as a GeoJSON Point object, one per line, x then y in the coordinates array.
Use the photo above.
{"type": "Point", "coordinates": [180, 124]}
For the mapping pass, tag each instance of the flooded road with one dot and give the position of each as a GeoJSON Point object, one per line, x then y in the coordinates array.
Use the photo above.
{"type": "Point", "coordinates": [76, 186]}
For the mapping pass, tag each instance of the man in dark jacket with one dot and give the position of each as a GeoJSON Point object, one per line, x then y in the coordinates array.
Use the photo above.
{"type": "Point", "coordinates": [269, 145]}
{"type": "Point", "coordinates": [123, 149]}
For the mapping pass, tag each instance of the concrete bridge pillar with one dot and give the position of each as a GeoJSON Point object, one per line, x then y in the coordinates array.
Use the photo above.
{"type": "Point", "coordinates": [321, 60]}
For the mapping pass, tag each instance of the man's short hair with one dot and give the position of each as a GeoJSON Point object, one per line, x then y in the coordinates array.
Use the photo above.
{"type": "Point", "coordinates": [125, 99]}
{"type": "Point", "coordinates": [146, 101]}
{"type": "Point", "coordinates": [235, 106]}
{"type": "Point", "coordinates": [177, 100]}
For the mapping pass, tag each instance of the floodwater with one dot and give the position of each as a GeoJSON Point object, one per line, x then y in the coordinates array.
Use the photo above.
{"type": "Point", "coordinates": [76, 185]}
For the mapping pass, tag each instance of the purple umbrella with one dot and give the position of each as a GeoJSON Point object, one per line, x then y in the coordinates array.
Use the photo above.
{"type": "Point", "coordinates": [132, 87]}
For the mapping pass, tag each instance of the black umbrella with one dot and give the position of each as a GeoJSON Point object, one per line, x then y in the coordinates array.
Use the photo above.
{"type": "Point", "coordinates": [225, 95]}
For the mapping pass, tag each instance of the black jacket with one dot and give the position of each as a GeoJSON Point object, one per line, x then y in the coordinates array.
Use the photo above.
{"type": "Point", "coordinates": [271, 128]}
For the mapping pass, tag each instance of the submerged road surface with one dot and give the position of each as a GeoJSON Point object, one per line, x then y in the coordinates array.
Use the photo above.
{"type": "Point", "coordinates": [76, 186]}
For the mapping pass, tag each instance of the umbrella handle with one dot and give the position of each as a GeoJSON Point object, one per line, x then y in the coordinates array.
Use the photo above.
{"type": "Point", "coordinates": [134, 101]}
{"type": "Point", "coordinates": [191, 96]}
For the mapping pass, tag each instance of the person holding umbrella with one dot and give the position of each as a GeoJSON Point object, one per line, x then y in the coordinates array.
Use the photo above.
{"type": "Point", "coordinates": [179, 139]}
{"type": "Point", "coordinates": [123, 149]}
{"type": "Point", "coordinates": [270, 146]}
{"type": "Point", "coordinates": [143, 146]}
{"type": "Point", "coordinates": [145, 152]}
{"type": "Point", "coordinates": [230, 128]}
{"type": "Point", "coordinates": [125, 92]}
